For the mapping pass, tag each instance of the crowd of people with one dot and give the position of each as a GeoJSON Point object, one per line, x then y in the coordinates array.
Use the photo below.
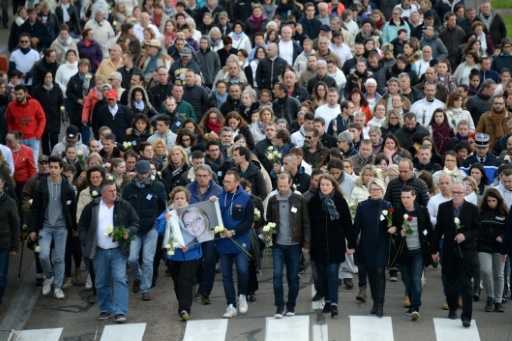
{"type": "Point", "coordinates": [386, 123]}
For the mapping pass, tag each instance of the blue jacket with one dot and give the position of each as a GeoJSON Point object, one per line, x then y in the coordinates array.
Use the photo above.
{"type": "Point", "coordinates": [213, 189]}
{"type": "Point", "coordinates": [194, 251]}
{"type": "Point", "coordinates": [237, 214]}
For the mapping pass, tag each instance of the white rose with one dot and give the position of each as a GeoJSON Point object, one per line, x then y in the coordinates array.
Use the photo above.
{"type": "Point", "coordinates": [384, 212]}
{"type": "Point", "coordinates": [170, 253]}
{"type": "Point", "coordinates": [31, 201]}
{"type": "Point", "coordinates": [279, 155]}
{"type": "Point", "coordinates": [507, 158]}
{"type": "Point", "coordinates": [80, 152]}
{"type": "Point", "coordinates": [269, 157]}
{"type": "Point", "coordinates": [94, 193]}
{"type": "Point", "coordinates": [153, 178]}
{"type": "Point", "coordinates": [175, 245]}
{"type": "Point", "coordinates": [37, 249]}
{"type": "Point", "coordinates": [406, 216]}
{"type": "Point", "coordinates": [456, 221]}
{"type": "Point", "coordinates": [449, 113]}
{"type": "Point", "coordinates": [270, 148]}
{"type": "Point", "coordinates": [266, 228]}
{"type": "Point", "coordinates": [218, 229]}
{"type": "Point", "coordinates": [424, 109]}
{"type": "Point", "coordinates": [62, 108]}
{"type": "Point", "coordinates": [105, 234]}
{"type": "Point", "coordinates": [110, 228]}
{"type": "Point", "coordinates": [272, 225]}
{"type": "Point", "coordinates": [276, 153]}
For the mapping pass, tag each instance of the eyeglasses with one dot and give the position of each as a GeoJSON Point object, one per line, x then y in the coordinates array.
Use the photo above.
{"type": "Point", "coordinates": [309, 137]}
{"type": "Point", "coordinates": [202, 176]}
{"type": "Point", "coordinates": [457, 193]}
{"type": "Point", "coordinates": [194, 222]}
{"type": "Point", "coordinates": [23, 41]}
{"type": "Point", "coordinates": [111, 79]}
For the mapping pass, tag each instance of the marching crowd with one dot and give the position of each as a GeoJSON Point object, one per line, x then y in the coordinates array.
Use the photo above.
{"type": "Point", "coordinates": [386, 123]}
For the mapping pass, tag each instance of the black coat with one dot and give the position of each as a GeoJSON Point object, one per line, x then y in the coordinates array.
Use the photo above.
{"type": "Point", "coordinates": [171, 179]}
{"type": "Point", "coordinates": [9, 223]}
{"type": "Point", "coordinates": [74, 18]}
{"type": "Point", "coordinates": [425, 233]}
{"type": "Point", "coordinates": [197, 96]}
{"type": "Point", "coordinates": [51, 101]}
{"type": "Point", "coordinates": [148, 202]}
{"type": "Point", "coordinates": [268, 72]}
{"type": "Point", "coordinates": [286, 108]}
{"type": "Point", "coordinates": [328, 236]}
{"type": "Point", "coordinates": [470, 225]}
{"type": "Point", "coordinates": [118, 124]}
{"type": "Point", "coordinates": [74, 92]}
{"type": "Point", "coordinates": [394, 190]}
{"type": "Point", "coordinates": [255, 177]}
{"type": "Point", "coordinates": [493, 226]}
{"type": "Point", "coordinates": [40, 68]}
{"type": "Point", "coordinates": [42, 196]}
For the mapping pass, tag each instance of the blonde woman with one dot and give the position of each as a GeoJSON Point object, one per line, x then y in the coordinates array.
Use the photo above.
{"type": "Point", "coordinates": [176, 166]}
{"type": "Point", "coordinates": [360, 191]}
{"type": "Point", "coordinates": [472, 190]}
{"type": "Point", "coordinates": [160, 150]}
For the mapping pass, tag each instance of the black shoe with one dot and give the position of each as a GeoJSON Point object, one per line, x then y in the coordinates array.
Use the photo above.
{"type": "Point", "coordinates": [334, 310]}
{"type": "Point", "coordinates": [104, 316]}
{"type": "Point", "coordinates": [39, 282]}
{"type": "Point", "coordinates": [374, 309]}
{"type": "Point", "coordinates": [318, 296]}
{"type": "Point", "coordinates": [348, 283]}
{"type": "Point", "coordinates": [279, 313]}
{"type": "Point", "coordinates": [466, 322]}
{"type": "Point", "coordinates": [136, 286]}
{"type": "Point", "coordinates": [168, 272]}
{"type": "Point", "coordinates": [205, 299]}
{"type": "Point", "coordinates": [452, 315]}
{"type": "Point", "coordinates": [380, 310]}
{"type": "Point", "coordinates": [120, 318]}
{"type": "Point", "coordinates": [153, 282]}
{"type": "Point", "coordinates": [409, 312]}
{"type": "Point", "coordinates": [476, 295]}
{"type": "Point", "coordinates": [499, 308]}
{"type": "Point", "coordinates": [327, 308]}
{"type": "Point", "coordinates": [251, 297]}
{"type": "Point", "coordinates": [489, 305]}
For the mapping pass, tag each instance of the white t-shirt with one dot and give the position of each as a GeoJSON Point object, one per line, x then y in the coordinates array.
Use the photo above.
{"type": "Point", "coordinates": [105, 218]}
{"type": "Point", "coordinates": [328, 114]}
{"type": "Point", "coordinates": [24, 62]}
{"type": "Point", "coordinates": [286, 51]}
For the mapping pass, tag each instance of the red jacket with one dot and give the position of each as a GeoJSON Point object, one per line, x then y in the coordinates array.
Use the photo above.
{"type": "Point", "coordinates": [29, 118]}
{"type": "Point", "coordinates": [24, 164]}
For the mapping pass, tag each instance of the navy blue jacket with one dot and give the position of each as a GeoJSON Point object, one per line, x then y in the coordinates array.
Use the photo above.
{"type": "Point", "coordinates": [213, 189]}
{"type": "Point", "coordinates": [237, 212]}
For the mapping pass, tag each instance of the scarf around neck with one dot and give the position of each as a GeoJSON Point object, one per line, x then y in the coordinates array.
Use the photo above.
{"type": "Point", "coordinates": [48, 87]}
{"type": "Point", "coordinates": [328, 205]}
{"type": "Point", "coordinates": [257, 21]}
{"type": "Point", "coordinates": [141, 184]}
{"type": "Point", "coordinates": [497, 119]}
{"type": "Point", "coordinates": [139, 105]}
{"type": "Point", "coordinates": [238, 36]}
{"type": "Point", "coordinates": [214, 126]}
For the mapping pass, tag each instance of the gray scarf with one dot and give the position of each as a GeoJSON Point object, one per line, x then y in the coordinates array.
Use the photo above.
{"type": "Point", "coordinates": [328, 205]}
{"type": "Point", "coordinates": [142, 184]}
{"type": "Point", "coordinates": [48, 87]}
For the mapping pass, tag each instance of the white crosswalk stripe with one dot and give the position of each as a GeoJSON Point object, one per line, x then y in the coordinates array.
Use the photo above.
{"type": "Point", "coordinates": [124, 332]}
{"type": "Point", "coordinates": [50, 334]}
{"type": "Point", "coordinates": [448, 330]}
{"type": "Point", "coordinates": [371, 328]}
{"type": "Point", "coordinates": [294, 328]}
{"type": "Point", "coordinates": [211, 330]}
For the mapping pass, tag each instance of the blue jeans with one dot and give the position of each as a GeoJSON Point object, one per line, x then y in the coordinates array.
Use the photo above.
{"type": "Point", "coordinates": [329, 276]}
{"type": "Point", "coordinates": [411, 276]}
{"type": "Point", "coordinates": [288, 255]}
{"type": "Point", "coordinates": [59, 236]}
{"type": "Point", "coordinates": [148, 243]}
{"type": "Point", "coordinates": [106, 263]}
{"type": "Point", "coordinates": [208, 264]}
{"type": "Point", "coordinates": [4, 268]}
{"type": "Point", "coordinates": [242, 272]}
{"type": "Point", "coordinates": [34, 144]}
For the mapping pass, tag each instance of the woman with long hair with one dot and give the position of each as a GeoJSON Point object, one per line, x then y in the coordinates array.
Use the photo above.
{"type": "Point", "coordinates": [493, 212]}
{"type": "Point", "coordinates": [361, 191]}
{"type": "Point", "coordinates": [462, 72]}
{"type": "Point", "coordinates": [477, 172]}
{"type": "Point", "coordinates": [89, 49]}
{"type": "Point", "coordinates": [319, 95]}
{"type": "Point", "coordinates": [480, 33]}
{"type": "Point", "coordinates": [445, 78]}
{"type": "Point", "coordinates": [373, 247]}
{"type": "Point", "coordinates": [119, 174]}
{"type": "Point", "coordinates": [169, 33]}
{"type": "Point", "coordinates": [18, 20]}
{"type": "Point", "coordinates": [248, 103]}
{"type": "Point", "coordinates": [472, 191]}
{"type": "Point", "coordinates": [333, 230]}
{"type": "Point", "coordinates": [183, 261]}
{"type": "Point", "coordinates": [92, 182]}
{"type": "Point", "coordinates": [429, 180]}
{"type": "Point", "coordinates": [177, 165]}
{"type": "Point", "coordinates": [250, 70]}
{"type": "Point", "coordinates": [334, 153]}
{"type": "Point", "coordinates": [457, 113]}
{"type": "Point", "coordinates": [212, 120]}
{"type": "Point", "coordinates": [360, 103]}
{"type": "Point", "coordinates": [128, 38]}
{"type": "Point", "coordinates": [186, 140]}
{"type": "Point", "coordinates": [239, 126]}
{"type": "Point", "coordinates": [392, 123]}
{"type": "Point", "coordinates": [450, 164]}
{"type": "Point", "coordinates": [198, 133]}
{"type": "Point", "coordinates": [442, 131]}
{"type": "Point", "coordinates": [391, 147]}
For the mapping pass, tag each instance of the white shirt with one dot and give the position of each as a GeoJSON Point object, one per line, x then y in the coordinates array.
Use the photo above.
{"type": "Point", "coordinates": [286, 51]}
{"type": "Point", "coordinates": [421, 66]}
{"type": "Point", "coordinates": [105, 218]}
{"type": "Point", "coordinates": [433, 207]}
{"type": "Point", "coordinates": [139, 31]}
{"type": "Point", "coordinates": [424, 107]}
{"type": "Point", "coordinates": [113, 110]}
{"type": "Point", "coordinates": [343, 51]}
{"type": "Point", "coordinates": [328, 114]}
{"type": "Point", "coordinates": [298, 137]}
{"type": "Point", "coordinates": [505, 193]}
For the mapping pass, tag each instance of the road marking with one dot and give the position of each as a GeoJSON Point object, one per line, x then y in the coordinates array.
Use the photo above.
{"type": "Point", "coordinates": [52, 334]}
{"type": "Point", "coordinates": [294, 328]}
{"type": "Point", "coordinates": [370, 328]}
{"type": "Point", "coordinates": [124, 332]}
{"type": "Point", "coordinates": [211, 330]}
{"type": "Point", "coordinates": [318, 304]}
{"type": "Point", "coordinates": [447, 329]}
{"type": "Point", "coordinates": [320, 332]}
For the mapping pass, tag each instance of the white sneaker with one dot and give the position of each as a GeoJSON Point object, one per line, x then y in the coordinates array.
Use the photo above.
{"type": "Point", "coordinates": [47, 286]}
{"type": "Point", "coordinates": [242, 304]}
{"type": "Point", "coordinates": [58, 294]}
{"type": "Point", "coordinates": [88, 282]}
{"type": "Point", "coordinates": [230, 311]}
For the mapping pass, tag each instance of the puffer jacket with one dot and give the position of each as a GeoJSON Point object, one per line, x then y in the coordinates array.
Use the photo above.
{"type": "Point", "coordinates": [493, 226]}
{"type": "Point", "coordinates": [395, 186]}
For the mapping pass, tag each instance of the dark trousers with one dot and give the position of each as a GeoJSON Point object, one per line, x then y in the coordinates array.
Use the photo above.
{"type": "Point", "coordinates": [206, 270]}
{"type": "Point", "coordinates": [158, 255]}
{"type": "Point", "coordinates": [377, 279]}
{"type": "Point", "coordinates": [459, 270]}
{"type": "Point", "coordinates": [74, 249]}
{"type": "Point", "coordinates": [48, 141]}
{"type": "Point", "coordinates": [362, 275]}
{"type": "Point", "coordinates": [183, 275]}
{"type": "Point", "coordinates": [253, 285]}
